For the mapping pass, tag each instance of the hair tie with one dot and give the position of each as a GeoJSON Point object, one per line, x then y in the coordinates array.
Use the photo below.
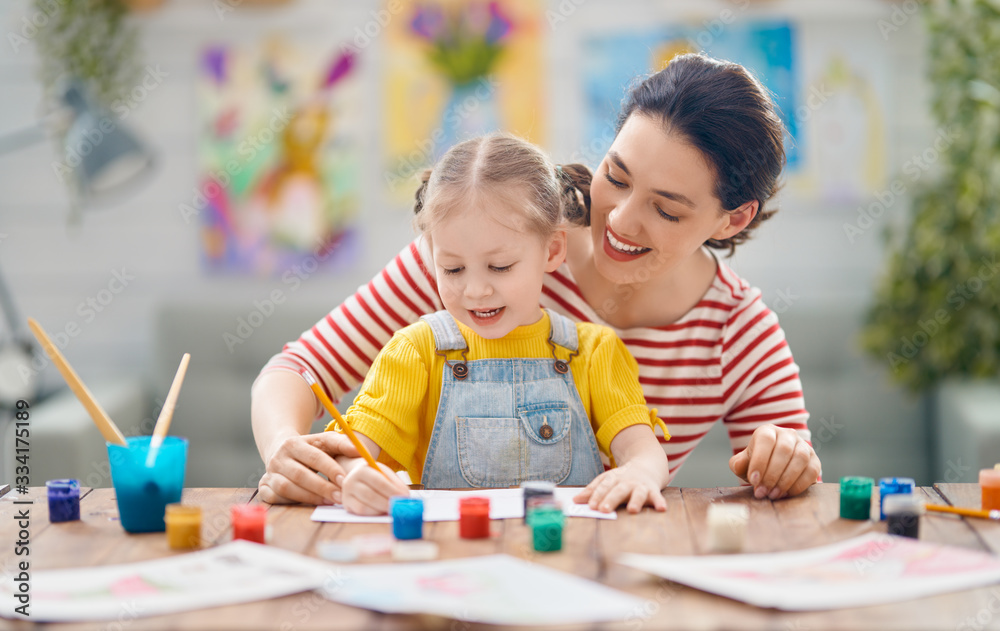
{"type": "Point", "coordinates": [558, 168]}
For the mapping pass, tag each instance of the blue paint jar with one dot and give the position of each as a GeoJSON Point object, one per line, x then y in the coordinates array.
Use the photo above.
{"type": "Point", "coordinates": [64, 500]}
{"type": "Point", "coordinates": [407, 517]}
{"type": "Point", "coordinates": [892, 486]}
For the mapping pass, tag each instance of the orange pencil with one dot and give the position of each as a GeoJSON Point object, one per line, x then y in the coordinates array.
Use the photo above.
{"type": "Point", "coordinates": [328, 404]}
{"type": "Point", "coordinates": [965, 512]}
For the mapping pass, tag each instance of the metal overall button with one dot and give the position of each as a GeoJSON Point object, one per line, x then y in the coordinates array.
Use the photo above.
{"type": "Point", "coordinates": [460, 370]}
{"type": "Point", "coordinates": [561, 367]}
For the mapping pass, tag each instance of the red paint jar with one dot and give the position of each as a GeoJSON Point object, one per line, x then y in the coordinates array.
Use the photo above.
{"type": "Point", "coordinates": [249, 522]}
{"type": "Point", "coordinates": [474, 517]}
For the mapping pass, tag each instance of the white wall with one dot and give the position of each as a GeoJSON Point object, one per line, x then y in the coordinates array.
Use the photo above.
{"type": "Point", "coordinates": [53, 268]}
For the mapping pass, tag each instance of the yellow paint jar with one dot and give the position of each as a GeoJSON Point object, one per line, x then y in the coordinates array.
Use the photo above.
{"type": "Point", "coordinates": [183, 526]}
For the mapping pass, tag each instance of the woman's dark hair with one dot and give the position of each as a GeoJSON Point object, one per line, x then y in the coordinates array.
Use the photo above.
{"type": "Point", "coordinates": [724, 112]}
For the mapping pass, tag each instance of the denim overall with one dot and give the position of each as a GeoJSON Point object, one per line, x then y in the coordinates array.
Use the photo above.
{"type": "Point", "coordinates": [503, 421]}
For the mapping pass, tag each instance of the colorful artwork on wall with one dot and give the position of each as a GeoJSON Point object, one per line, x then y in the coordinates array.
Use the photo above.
{"type": "Point", "coordinates": [844, 107]}
{"type": "Point", "coordinates": [278, 167]}
{"type": "Point", "coordinates": [612, 61]}
{"type": "Point", "coordinates": [454, 70]}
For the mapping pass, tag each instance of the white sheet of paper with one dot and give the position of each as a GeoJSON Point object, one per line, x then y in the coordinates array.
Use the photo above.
{"type": "Point", "coordinates": [868, 570]}
{"type": "Point", "coordinates": [443, 506]}
{"type": "Point", "coordinates": [236, 572]}
{"type": "Point", "coordinates": [494, 589]}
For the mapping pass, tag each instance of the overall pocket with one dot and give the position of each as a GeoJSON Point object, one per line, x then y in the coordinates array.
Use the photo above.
{"type": "Point", "coordinates": [548, 445]}
{"type": "Point", "coordinates": [502, 452]}
{"type": "Point", "coordinates": [489, 451]}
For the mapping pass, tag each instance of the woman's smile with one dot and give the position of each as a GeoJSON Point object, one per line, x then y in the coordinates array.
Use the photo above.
{"type": "Point", "coordinates": [621, 249]}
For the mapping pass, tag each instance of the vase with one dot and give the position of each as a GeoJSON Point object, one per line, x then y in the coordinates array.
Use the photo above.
{"type": "Point", "coordinates": [471, 111]}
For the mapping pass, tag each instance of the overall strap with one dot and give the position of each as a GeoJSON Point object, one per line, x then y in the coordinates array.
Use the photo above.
{"type": "Point", "coordinates": [563, 331]}
{"type": "Point", "coordinates": [447, 336]}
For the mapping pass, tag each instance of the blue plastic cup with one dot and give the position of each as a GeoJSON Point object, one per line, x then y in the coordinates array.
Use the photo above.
{"type": "Point", "coordinates": [142, 492]}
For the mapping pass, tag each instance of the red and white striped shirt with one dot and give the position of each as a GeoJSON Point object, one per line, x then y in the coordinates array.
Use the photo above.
{"type": "Point", "coordinates": [725, 360]}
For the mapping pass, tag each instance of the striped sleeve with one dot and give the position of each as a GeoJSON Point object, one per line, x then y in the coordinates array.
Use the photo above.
{"type": "Point", "coordinates": [760, 379]}
{"type": "Point", "coordinates": [339, 349]}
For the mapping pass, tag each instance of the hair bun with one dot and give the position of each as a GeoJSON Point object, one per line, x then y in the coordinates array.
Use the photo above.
{"type": "Point", "coordinates": [418, 204]}
{"type": "Point", "coordinates": [574, 182]}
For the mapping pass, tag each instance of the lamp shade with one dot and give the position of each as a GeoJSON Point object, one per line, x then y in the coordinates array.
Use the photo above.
{"type": "Point", "coordinates": [103, 154]}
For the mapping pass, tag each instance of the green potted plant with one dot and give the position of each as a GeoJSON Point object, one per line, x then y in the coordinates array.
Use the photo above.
{"type": "Point", "coordinates": [91, 41]}
{"type": "Point", "coordinates": [936, 312]}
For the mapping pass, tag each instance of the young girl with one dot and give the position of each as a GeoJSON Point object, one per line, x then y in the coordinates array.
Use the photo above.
{"type": "Point", "coordinates": [494, 391]}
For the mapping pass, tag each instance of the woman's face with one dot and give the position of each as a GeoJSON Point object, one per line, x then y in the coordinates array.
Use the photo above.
{"type": "Point", "coordinates": [653, 204]}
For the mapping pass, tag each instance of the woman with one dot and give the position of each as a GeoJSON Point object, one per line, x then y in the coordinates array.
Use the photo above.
{"type": "Point", "coordinates": [697, 155]}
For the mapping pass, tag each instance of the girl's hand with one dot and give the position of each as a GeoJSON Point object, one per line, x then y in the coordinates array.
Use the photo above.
{"type": "Point", "coordinates": [291, 473]}
{"type": "Point", "coordinates": [367, 492]}
{"type": "Point", "coordinates": [629, 482]}
{"type": "Point", "coordinates": [777, 462]}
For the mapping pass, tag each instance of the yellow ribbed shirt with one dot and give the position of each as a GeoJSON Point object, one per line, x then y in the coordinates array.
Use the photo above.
{"type": "Point", "coordinates": [398, 401]}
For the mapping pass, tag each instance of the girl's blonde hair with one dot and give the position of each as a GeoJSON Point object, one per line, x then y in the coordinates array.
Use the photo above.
{"type": "Point", "coordinates": [508, 169]}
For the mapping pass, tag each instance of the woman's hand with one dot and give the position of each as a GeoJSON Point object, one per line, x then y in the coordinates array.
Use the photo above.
{"type": "Point", "coordinates": [292, 469]}
{"type": "Point", "coordinates": [367, 492]}
{"type": "Point", "coordinates": [630, 482]}
{"type": "Point", "coordinates": [777, 463]}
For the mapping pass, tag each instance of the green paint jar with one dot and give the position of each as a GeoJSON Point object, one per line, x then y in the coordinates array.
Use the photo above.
{"type": "Point", "coordinates": [856, 498]}
{"type": "Point", "coordinates": [547, 528]}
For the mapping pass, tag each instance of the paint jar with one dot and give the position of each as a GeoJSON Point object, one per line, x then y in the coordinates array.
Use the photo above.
{"type": "Point", "coordinates": [249, 522]}
{"type": "Point", "coordinates": [183, 526]}
{"type": "Point", "coordinates": [989, 485]}
{"type": "Point", "coordinates": [414, 551]}
{"type": "Point", "coordinates": [902, 514]}
{"type": "Point", "coordinates": [856, 498]}
{"type": "Point", "coordinates": [536, 488]}
{"type": "Point", "coordinates": [547, 528]}
{"type": "Point", "coordinates": [407, 517]}
{"type": "Point", "coordinates": [143, 492]}
{"type": "Point", "coordinates": [892, 486]}
{"type": "Point", "coordinates": [474, 517]}
{"type": "Point", "coordinates": [727, 526]}
{"type": "Point", "coordinates": [64, 500]}
{"type": "Point", "coordinates": [539, 501]}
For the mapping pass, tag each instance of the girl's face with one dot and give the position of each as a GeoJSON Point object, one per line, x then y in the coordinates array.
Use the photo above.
{"type": "Point", "coordinates": [489, 275]}
{"type": "Point", "coordinates": [653, 204]}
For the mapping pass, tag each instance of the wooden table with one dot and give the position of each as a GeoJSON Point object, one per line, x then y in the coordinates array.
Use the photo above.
{"type": "Point", "coordinates": [590, 547]}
